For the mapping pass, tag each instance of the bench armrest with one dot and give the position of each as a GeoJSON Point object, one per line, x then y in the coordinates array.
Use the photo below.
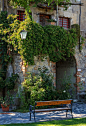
{"type": "Point", "coordinates": [69, 105]}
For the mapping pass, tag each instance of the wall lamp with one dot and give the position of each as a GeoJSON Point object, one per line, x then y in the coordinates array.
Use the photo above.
{"type": "Point", "coordinates": [23, 34]}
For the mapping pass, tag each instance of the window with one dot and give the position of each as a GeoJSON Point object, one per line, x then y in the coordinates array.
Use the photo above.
{"type": "Point", "coordinates": [43, 19]}
{"type": "Point", "coordinates": [64, 22]}
{"type": "Point", "coordinates": [21, 15]}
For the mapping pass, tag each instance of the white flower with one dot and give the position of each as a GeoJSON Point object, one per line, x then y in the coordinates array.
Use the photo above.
{"type": "Point", "coordinates": [64, 91]}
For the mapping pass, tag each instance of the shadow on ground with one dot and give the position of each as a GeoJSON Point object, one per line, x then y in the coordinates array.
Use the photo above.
{"type": "Point", "coordinates": [70, 122]}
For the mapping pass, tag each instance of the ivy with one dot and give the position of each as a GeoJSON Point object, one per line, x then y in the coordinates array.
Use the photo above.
{"type": "Point", "coordinates": [3, 45]}
{"type": "Point", "coordinates": [5, 50]}
{"type": "Point", "coordinates": [77, 28]}
{"type": "Point", "coordinates": [52, 41]}
{"type": "Point", "coordinates": [60, 42]}
{"type": "Point", "coordinates": [26, 3]}
{"type": "Point", "coordinates": [82, 39]}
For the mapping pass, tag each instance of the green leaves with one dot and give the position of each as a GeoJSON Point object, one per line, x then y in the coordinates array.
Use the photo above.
{"type": "Point", "coordinates": [60, 43]}
{"type": "Point", "coordinates": [26, 3]}
{"type": "Point", "coordinates": [52, 41]}
{"type": "Point", "coordinates": [39, 86]}
{"type": "Point", "coordinates": [11, 81]}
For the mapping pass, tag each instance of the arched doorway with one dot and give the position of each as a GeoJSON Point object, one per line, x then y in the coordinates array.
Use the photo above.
{"type": "Point", "coordinates": [65, 72]}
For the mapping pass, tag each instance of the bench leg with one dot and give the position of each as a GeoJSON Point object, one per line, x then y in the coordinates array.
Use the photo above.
{"type": "Point", "coordinates": [30, 116]}
{"type": "Point", "coordinates": [66, 113]}
{"type": "Point", "coordinates": [34, 115]}
{"type": "Point", "coordinates": [71, 113]}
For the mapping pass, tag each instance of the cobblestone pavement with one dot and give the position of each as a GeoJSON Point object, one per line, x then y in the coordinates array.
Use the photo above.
{"type": "Point", "coordinates": [79, 111]}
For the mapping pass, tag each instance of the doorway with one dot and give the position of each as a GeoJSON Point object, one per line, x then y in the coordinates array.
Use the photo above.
{"type": "Point", "coordinates": [65, 73]}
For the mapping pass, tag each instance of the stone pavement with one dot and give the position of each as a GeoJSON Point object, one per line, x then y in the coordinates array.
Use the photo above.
{"type": "Point", "coordinates": [79, 111]}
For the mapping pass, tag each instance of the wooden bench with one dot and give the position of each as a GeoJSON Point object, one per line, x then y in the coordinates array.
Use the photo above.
{"type": "Point", "coordinates": [63, 105]}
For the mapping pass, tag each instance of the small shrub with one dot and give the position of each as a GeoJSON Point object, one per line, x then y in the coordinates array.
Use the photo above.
{"type": "Point", "coordinates": [11, 81]}
{"type": "Point", "coordinates": [39, 87]}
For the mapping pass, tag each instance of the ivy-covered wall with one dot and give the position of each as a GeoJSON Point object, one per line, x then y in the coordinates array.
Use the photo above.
{"type": "Point", "coordinates": [73, 14]}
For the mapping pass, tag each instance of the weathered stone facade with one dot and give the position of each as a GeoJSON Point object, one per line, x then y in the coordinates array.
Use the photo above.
{"type": "Point", "coordinates": [80, 57]}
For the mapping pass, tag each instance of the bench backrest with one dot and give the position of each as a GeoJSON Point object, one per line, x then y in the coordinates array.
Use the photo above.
{"type": "Point", "coordinates": [54, 102]}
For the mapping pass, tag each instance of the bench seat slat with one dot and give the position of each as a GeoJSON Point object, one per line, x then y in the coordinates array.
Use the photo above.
{"type": "Point", "coordinates": [45, 103]}
{"type": "Point", "coordinates": [52, 109]}
{"type": "Point", "coordinates": [64, 105]}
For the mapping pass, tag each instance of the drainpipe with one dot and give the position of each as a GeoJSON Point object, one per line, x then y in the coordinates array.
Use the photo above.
{"type": "Point", "coordinates": [57, 23]}
{"type": "Point", "coordinates": [2, 5]}
{"type": "Point", "coordinates": [57, 16]}
{"type": "Point", "coordinates": [7, 5]}
{"type": "Point", "coordinates": [80, 26]}
{"type": "Point", "coordinates": [3, 91]}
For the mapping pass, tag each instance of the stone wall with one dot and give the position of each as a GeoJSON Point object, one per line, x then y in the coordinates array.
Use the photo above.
{"type": "Point", "coordinates": [0, 5]}
{"type": "Point", "coordinates": [83, 16]}
{"type": "Point", "coordinates": [21, 70]}
{"type": "Point", "coordinates": [73, 14]}
{"type": "Point", "coordinates": [81, 68]}
{"type": "Point", "coordinates": [18, 67]}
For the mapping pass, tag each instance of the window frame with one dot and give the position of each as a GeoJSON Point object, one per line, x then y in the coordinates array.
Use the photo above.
{"type": "Point", "coordinates": [21, 13]}
{"type": "Point", "coordinates": [45, 16]}
{"type": "Point", "coordinates": [64, 22]}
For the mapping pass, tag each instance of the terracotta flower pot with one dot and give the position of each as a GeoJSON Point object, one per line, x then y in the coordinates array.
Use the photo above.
{"type": "Point", "coordinates": [5, 109]}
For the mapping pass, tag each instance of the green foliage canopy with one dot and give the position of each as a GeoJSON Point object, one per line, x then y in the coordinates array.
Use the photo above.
{"type": "Point", "coordinates": [5, 52]}
{"type": "Point", "coordinates": [39, 87]}
{"type": "Point", "coordinates": [26, 3]}
{"type": "Point", "coordinates": [4, 57]}
{"type": "Point", "coordinates": [52, 41]}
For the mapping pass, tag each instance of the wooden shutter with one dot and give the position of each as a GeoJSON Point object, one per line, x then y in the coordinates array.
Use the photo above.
{"type": "Point", "coordinates": [64, 22]}
{"type": "Point", "coordinates": [43, 19]}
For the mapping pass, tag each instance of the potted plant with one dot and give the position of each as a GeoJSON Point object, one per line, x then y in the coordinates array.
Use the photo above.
{"type": "Point", "coordinates": [5, 107]}
{"type": "Point", "coordinates": [6, 102]}
{"type": "Point", "coordinates": [51, 21]}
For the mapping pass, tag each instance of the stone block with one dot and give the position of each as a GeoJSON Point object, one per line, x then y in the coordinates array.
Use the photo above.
{"type": "Point", "coordinates": [82, 79]}
{"type": "Point", "coordinates": [85, 74]}
{"type": "Point", "coordinates": [30, 68]}
{"type": "Point", "coordinates": [41, 63]}
{"type": "Point", "coordinates": [36, 68]}
{"type": "Point", "coordinates": [78, 79]}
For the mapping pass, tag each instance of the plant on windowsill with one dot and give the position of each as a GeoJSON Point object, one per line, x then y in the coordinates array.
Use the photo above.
{"type": "Point", "coordinates": [51, 20]}
{"type": "Point", "coordinates": [6, 102]}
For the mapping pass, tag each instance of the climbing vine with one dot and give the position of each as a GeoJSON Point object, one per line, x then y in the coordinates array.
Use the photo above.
{"type": "Point", "coordinates": [5, 51]}
{"type": "Point", "coordinates": [27, 3]}
{"type": "Point", "coordinates": [52, 41]}
{"type": "Point", "coordinates": [4, 57]}
{"type": "Point", "coordinates": [60, 42]}
{"type": "Point", "coordinates": [77, 28]}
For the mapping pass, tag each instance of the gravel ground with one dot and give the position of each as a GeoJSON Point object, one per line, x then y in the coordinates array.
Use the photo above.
{"type": "Point", "coordinates": [79, 111]}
